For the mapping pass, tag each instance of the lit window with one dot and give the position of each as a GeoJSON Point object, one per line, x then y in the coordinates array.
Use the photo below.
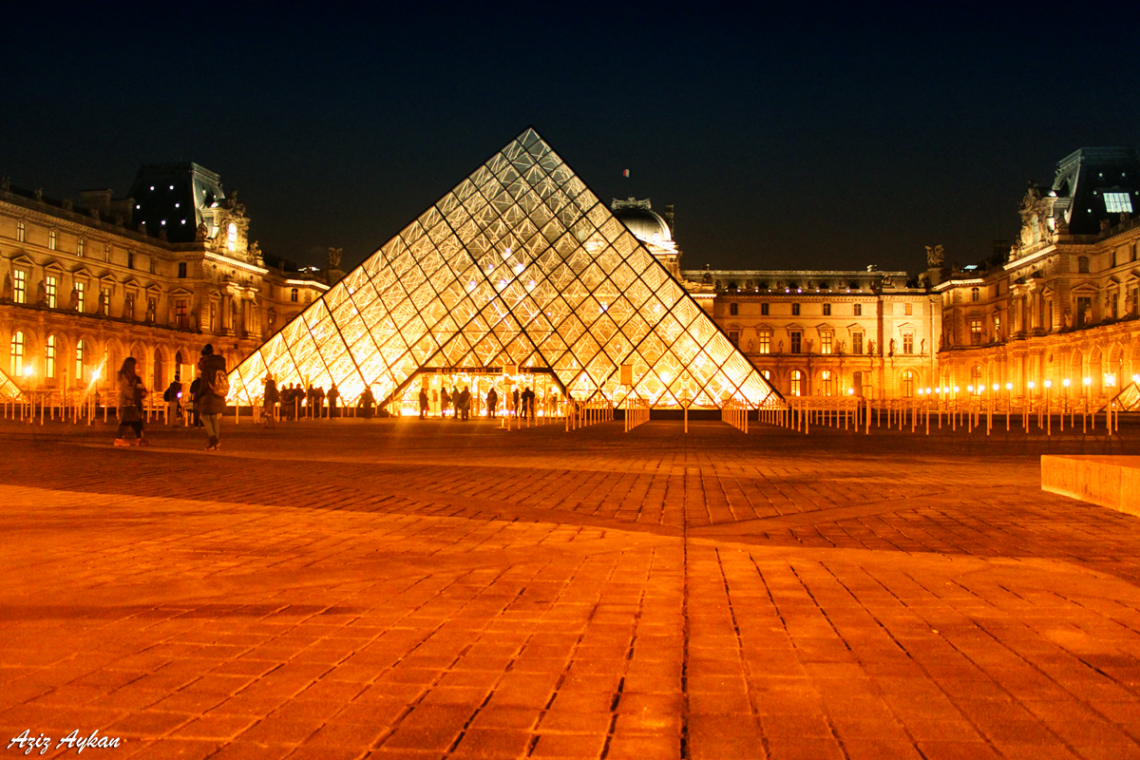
{"type": "Point", "coordinates": [51, 288]}
{"type": "Point", "coordinates": [231, 237]}
{"type": "Point", "coordinates": [997, 325]}
{"type": "Point", "coordinates": [733, 309]}
{"type": "Point", "coordinates": [766, 374]}
{"type": "Point", "coordinates": [21, 231]}
{"type": "Point", "coordinates": [825, 381]}
{"type": "Point", "coordinates": [825, 343]}
{"type": "Point", "coordinates": [908, 384]}
{"type": "Point", "coordinates": [17, 364]}
{"type": "Point", "coordinates": [857, 343]}
{"type": "Point", "coordinates": [81, 288]}
{"type": "Point", "coordinates": [765, 342]}
{"type": "Point", "coordinates": [80, 359]}
{"type": "Point", "coordinates": [1117, 203]}
{"type": "Point", "coordinates": [763, 309]}
{"type": "Point", "coordinates": [53, 240]}
{"type": "Point", "coordinates": [81, 247]}
{"type": "Point", "coordinates": [797, 383]}
{"type": "Point", "coordinates": [908, 309]}
{"type": "Point", "coordinates": [180, 318]}
{"type": "Point", "coordinates": [795, 310]}
{"type": "Point", "coordinates": [976, 380]}
{"type": "Point", "coordinates": [858, 310]}
{"type": "Point", "coordinates": [827, 310]}
{"type": "Point", "coordinates": [19, 286]}
{"type": "Point", "coordinates": [975, 332]}
{"type": "Point", "coordinates": [49, 357]}
{"type": "Point", "coordinates": [797, 339]}
{"type": "Point", "coordinates": [908, 343]}
{"type": "Point", "coordinates": [105, 302]}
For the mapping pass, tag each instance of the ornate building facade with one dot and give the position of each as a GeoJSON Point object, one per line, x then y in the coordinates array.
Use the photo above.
{"type": "Point", "coordinates": [155, 275]}
{"type": "Point", "coordinates": [1064, 304]}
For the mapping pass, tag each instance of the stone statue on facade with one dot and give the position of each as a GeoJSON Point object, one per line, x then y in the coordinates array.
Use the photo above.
{"type": "Point", "coordinates": [201, 233]}
{"type": "Point", "coordinates": [780, 347]}
{"type": "Point", "coordinates": [334, 257]}
{"type": "Point", "coordinates": [6, 294]}
{"type": "Point", "coordinates": [935, 257]}
{"type": "Point", "coordinates": [922, 346]}
{"type": "Point", "coordinates": [73, 300]}
{"type": "Point", "coordinates": [104, 302]}
{"type": "Point", "coordinates": [129, 307]}
{"type": "Point", "coordinates": [41, 294]}
{"type": "Point", "coordinates": [892, 347]}
{"type": "Point", "coordinates": [871, 348]}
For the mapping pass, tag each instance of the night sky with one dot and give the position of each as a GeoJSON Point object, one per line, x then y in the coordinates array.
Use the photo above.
{"type": "Point", "coordinates": [824, 136]}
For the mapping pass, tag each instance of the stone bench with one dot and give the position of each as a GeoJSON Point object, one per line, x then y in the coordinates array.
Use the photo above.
{"type": "Point", "coordinates": [1110, 481]}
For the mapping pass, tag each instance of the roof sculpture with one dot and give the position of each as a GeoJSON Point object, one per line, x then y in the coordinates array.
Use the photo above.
{"type": "Point", "coordinates": [519, 265]}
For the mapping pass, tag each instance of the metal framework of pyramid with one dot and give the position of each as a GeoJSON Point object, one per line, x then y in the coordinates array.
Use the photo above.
{"type": "Point", "coordinates": [519, 266]}
{"type": "Point", "coordinates": [9, 391]}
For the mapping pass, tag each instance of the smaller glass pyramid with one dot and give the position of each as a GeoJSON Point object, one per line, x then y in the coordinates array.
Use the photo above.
{"type": "Point", "coordinates": [520, 266]}
{"type": "Point", "coordinates": [9, 391]}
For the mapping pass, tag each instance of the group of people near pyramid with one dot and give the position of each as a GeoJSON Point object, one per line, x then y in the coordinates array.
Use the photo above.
{"type": "Point", "coordinates": [521, 404]}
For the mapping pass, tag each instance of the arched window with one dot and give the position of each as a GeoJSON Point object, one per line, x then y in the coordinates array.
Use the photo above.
{"type": "Point", "coordinates": [17, 364]}
{"type": "Point", "coordinates": [231, 237]}
{"type": "Point", "coordinates": [976, 379]}
{"type": "Point", "coordinates": [80, 360]}
{"type": "Point", "coordinates": [49, 357]}
{"type": "Point", "coordinates": [908, 384]}
{"type": "Point", "coordinates": [796, 388]}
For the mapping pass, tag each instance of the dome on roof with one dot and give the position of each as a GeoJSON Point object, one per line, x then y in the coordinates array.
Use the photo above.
{"type": "Point", "coordinates": [645, 224]}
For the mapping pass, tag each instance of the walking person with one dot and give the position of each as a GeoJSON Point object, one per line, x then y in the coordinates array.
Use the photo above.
{"type": "Point", "coordinates": [212, 394]}
{"type": "Point", "coordinates": [366, 402]}
{"type": "Point", "coordinates": [528, 403]}
{"type": "Point", "coordinates": [515, 400]}
{"type": "Point", "coordinates": [194, 388]}
{"type": "Point", "coordinates": [464, 403]}
{"type": "Point", "coordinates": [271, 396]}
{"type": "Point", "coordinates": [131, 393]}
{"type": "Point", "coordinates": [492, 402]}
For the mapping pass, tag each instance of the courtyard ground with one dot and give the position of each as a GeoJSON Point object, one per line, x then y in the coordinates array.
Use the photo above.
{"type": "Point", "coordinates": [408, 589]}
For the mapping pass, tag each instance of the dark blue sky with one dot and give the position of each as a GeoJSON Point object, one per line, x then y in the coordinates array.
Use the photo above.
{"type": "Point", "coordinates": [822, 136]}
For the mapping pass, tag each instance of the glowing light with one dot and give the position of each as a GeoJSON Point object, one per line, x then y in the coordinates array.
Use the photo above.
{"type": "Point", "coordinates": [1065, 382]}
{"type": "Point", "coordinates": [1048, 383]}
{"type": "Point", "coordinates": [996, 387]}
{"type": "Point", "coordinates": [1009, 386]}
{"type": "Point", "coordinates": [28, 372]}
{"type": "Point", "coordinates": [1088, 381]}
{"type": "Point", "coordinates": [1032, 385]}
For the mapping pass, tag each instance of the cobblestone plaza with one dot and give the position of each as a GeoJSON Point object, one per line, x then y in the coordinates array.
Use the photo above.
{"type": "Point", "coordinates": [398, 588]}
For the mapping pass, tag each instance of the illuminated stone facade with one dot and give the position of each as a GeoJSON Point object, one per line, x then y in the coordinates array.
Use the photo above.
{"type": "Point", "coordinates": [86, 284]}
{"type": "Point", "coordinates": [1064, 304]}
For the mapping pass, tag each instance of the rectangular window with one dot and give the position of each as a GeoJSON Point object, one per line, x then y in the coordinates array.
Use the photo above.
{"type": "Point", "coordinates": [765, 342]}
{"type": "Point", "coordinates": [105, 302]}
{"type": "Point", "coordinates": [81, 289]}
{"type": "Point", "coordinates": [857, 310]}
{"type": "Point", "coordinates": [17, 354]}
{"type": "Point", "coordinates": [182, 269]}
{"type": "Point", "coordinates": [825, 343]}
{"type": "Point", "coordinates": [795, 310]}
{"type": "Point", "coordinates": [213, 317]}
{"type": "Point", "coordinates": [827, 310]}
{"type": "Point", "coordinates": [49, 357]}
{"type": "Point", "coordinates": [975, 294]}
{"type": "Point", "coordinates": [908, 343]}
{"type": "Point", "coordinates": [908, 309]}
{"type": "Point", "coordinates": [763, 309]}
{"type": "Point", "coordinates": [181, 321]}
{"type": "Point", "coordinates": [1112, 263]}
{"type": "Point", "coordinates": [857, 343]}
{"type": "Point", "coordinates": [733, 309]}
{"type": "Point", "coordinates": [797, 339]}
{"type": "Point", "coordinates": [825, 381]}
{"type": "Point", "coordinates": [53, 240]}
{"type": "Point", "coordinates": [975, 332]}
{"type": "Point", "coordinates": [997, 327]}
{"type": "Point", "coordinates": [51, 289]}
{"type": "Point", "coordinates": [1134, 301]}
{"type": "Point", "coordinates": [80, 359]}
{"type": "Point", "coordinates": [19, 286]}
{"type": "Point", "coordinates": [1117, 203]}
{"type": "Point", "coordinates": [80, 247]}
{"type": "Point", "coordinates": [21, 231]}
{"type": "Point", "coordinates": [1084, 311]}
{"type": "Point", "coordinates": [130, 259]}
{"type": "Point", "coordinates": [734, 338]}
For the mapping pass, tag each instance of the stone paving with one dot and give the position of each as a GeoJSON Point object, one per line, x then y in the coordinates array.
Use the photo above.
{"type": "Point", "coordinates": [407, 589]}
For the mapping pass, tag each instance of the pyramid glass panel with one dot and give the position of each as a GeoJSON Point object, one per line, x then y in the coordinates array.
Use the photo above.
{"type": "Point", "coordinates": [519, 264]}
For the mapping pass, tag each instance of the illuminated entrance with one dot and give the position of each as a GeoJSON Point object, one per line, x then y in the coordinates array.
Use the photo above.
{"type": "Point", "coordinates": [519, 265]}
{"type": "Point", "coordinates": [479, 382]}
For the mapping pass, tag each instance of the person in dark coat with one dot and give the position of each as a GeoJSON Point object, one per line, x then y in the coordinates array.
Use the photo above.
{"type": "Point", "coordinates": [173, 398]}
{"type": "Point", "coordinates": [515, 400]}
{"type": "Point", "coordinates": [131, 393]}
{"type": "Point", "coordinates": [334, 396]}
{"type": "Point", "coordinates": [464, 406]}
{"type": "Point", "coordinates": [367, 400]}
{"type": "Point", "coordinates": [528, 403]}
{"type": "Point", "coordinates": [271, 397]}
{"type": "Point", "coordinates": [423, 399]}
{"type": "Point", "coordinates": [194, 387]}
{"type": "Point", "coordinates": [492, 402]}
{"type": "Point", "coordinates": [211, 403]}
{"type": "Point", "coordinates": [444, 401]}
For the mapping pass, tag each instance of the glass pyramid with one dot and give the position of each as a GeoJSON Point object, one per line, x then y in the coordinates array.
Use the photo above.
{"type": "Point", "coordinates": [520, 266]}
{"type": "Point", "coordinates": [9, 391]}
